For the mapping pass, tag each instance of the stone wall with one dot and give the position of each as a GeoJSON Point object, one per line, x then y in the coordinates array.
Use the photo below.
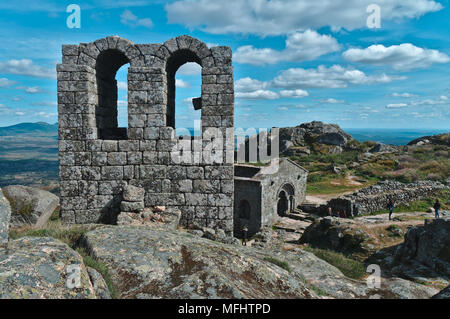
{"type": "Point", "coordinates": [375, 198]}
{"type": "Point", "coordinates": [97, 158]}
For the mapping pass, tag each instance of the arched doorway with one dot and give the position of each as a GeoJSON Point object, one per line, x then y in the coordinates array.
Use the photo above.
{"type": "Point", "coordinates": [286, 200]}
{"type": "Point", "coordinates": [283, 204]}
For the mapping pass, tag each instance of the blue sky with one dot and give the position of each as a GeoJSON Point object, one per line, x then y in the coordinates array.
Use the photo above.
{"type": "Point", "coordinates": [294, 61]}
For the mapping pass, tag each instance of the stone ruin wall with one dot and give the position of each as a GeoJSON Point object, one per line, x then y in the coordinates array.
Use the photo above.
{"type": "Point", "coordinates": [375, 198]}
{"type": "Point", "coordinates": [97, 158]}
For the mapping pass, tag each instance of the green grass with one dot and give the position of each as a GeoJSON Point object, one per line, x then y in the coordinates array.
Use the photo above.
{"type": "Point", "coordinates": [101, 268]}
{"type": "Point", "coordinates": [279, 263]}
{"type": "Point", "coordinates": [349, 267]}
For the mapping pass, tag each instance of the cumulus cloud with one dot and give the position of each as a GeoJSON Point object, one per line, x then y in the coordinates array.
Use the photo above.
{"type": "Point", "coordinates": [332, 101]}
{"type": "Point", "coordinates": [122, 86]}
{"type": "Point", "coordinates": [190, 68]}
{"type": "Point", "coordinates": [258, 95]}
{"type": "Point", "coordinates": [300, 46]}
{"type": "Point", "coordinates": [248, 84]}
{"type": "Point", "coordinates": [251, 89]}
{"type": "Point", "coordinates": [407, 95]}
{"type": "Point", "coordinates": [277, 17]}
{"type": "Point", "coordinates": [299, 93]}
{"type": "Point", "coordinates": [182, 84]}
{"type": "Point", "coordinates": [128, 18]}
{"type": "Point", "coordinates": [26, 67]}
{"type": "Point", "coordinates": [335, 76]}
{"type": "Point", "coordinates": [30, 89]}
{"type": "Point", "coordinates": [400, 57]}
{"type": "Point", "coordinates": [4, 82]}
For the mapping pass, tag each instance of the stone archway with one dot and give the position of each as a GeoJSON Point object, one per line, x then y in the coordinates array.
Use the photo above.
{"type": "Point", "coordinates": [285, 199]}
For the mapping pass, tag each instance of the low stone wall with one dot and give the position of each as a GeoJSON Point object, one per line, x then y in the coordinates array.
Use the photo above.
{"type": "Point", "coordinates": [376, 197]}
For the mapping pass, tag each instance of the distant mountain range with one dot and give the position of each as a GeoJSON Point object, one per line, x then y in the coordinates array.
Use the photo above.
{"type": "Point", "coordinates": [37, 129]}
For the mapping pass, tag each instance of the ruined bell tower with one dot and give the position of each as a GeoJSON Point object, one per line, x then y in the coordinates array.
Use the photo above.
{"type": "Point", "coordinates": [97, 158]}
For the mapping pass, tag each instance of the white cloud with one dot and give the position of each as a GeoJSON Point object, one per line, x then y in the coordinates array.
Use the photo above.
{"type": "Point", "coordinates": [407, 95]}
{"type": "Point", "coordinates": [400, 57]}
{"type": "Point", "coordinates": [335, 76]}
{"type": "Point", "coordinates": [251, 89]}
{"type": "Point", "coordinates": [277, 17]}
{"type": "Point", "coordinates": [190, 68]}
{"type": "Point", "coordinates": [182, 84]}
{"type": "Point", "coordinates": [33, 89]}
{"type": "Point", "coordinates": [4, 82]}
{"type": "Point", "coordinates": [396, 105]}
{"type": "Point", "coordinates": [258, 95]}
{"type": "Point", "coordinates": [128, 18]}
{"type": "Point", "coordinates": [332, 101]}
{"type": "Point", "coordinates": [300, 46]}
{"type": "Point", "coordinates": [26, 67]}
{"type": "Point", "coordinates": [248, 84]}
{"type": "Point", "coordinates": [283, 108]}
{"type": "Point", "coordinates": [299, 93]}
{"type": "Point", "coordinates": [122, 85]}
{"type": "Point", "coordinates": [20, 113]}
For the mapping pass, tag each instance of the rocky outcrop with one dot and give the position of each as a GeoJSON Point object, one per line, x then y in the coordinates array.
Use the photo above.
{"type": "Point", "coordinates": [444, 294]}
{"type": "Point", "coordinates": [158, 263]}
{"type": "Point", "coordinates": [5, 215]}
{"type": "Point", "coordinates": [100, 287]}
{"type": "Point", "coordinates": [383, 148]}
{"type": "Point", "coordinates": [30, 206]}
{"type": "Point", "coordinates": [376, 197]}
{"type": "Point", "coordinates": [338, 234]}
{"type": "Point", "coordinates": [301, 139]}
{"type": "Point", "coordinates": [44, 268]}
{"type": "Point", "coordinates": [428, 245]}
{"type": "Point", "coordinates": [151, 263]}
{"type": "Point", "coordinates": [440, 139]}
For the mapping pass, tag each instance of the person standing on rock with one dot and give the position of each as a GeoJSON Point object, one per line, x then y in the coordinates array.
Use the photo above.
{"type": "Point", "coordinates": [391, 207]}
{"type": "Point", "coordinates": [437, 207]}
{"type": "Point", "coordinates": [244, 235]}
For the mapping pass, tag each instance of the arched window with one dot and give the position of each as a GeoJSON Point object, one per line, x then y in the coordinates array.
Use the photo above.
{"type": "Point", "coordinates": [244, 209]}
{"type": "Point", "coordinates": [189, 87]}
{"type": "Point", "coordinates": [108, 63]}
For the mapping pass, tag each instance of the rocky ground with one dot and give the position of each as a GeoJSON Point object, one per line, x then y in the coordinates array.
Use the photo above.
{"type": "Point", "coordinates": [151, 258]}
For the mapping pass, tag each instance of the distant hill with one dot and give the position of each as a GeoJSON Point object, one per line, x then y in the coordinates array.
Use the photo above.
{"type": "Point", "coordinates": [39, 128]}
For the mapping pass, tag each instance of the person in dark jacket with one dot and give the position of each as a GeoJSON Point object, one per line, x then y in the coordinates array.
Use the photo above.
{"type": "Point", "coordinates": [244, 235]}
{"type": "Point", "coordinates": [391, 207]}
{"type": "Point", "coordinates": [437, 207]}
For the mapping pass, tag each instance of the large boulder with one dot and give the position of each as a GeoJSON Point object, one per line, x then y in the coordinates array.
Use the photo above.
{"type": "Point", "coordinates": [444, 294]}
{"type": "Point", "coordinates": [5, 215]}
{"type": "Point", "coordinates": [38, 267]}
{"type": "Point", "coordinates": [152, 263]}
{"type": "Point", "coordinates": [30, 206]}
{"type": "Point", "coordinates": [149, 262]}
{"type": "Point", "coordinates": [428, 245]}
{"type": "Point", "coordinates": [338, 234]}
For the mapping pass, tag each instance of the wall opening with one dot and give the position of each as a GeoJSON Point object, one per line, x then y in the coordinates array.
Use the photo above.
{"type": "Point", "coordinates": [286, 200]}
{"type": "Point", "coordinates": [108, 63]}
{"type": "Point", "coordinates": [184, 92]}
{"type": "Point", "coordinates": [244, 209]}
